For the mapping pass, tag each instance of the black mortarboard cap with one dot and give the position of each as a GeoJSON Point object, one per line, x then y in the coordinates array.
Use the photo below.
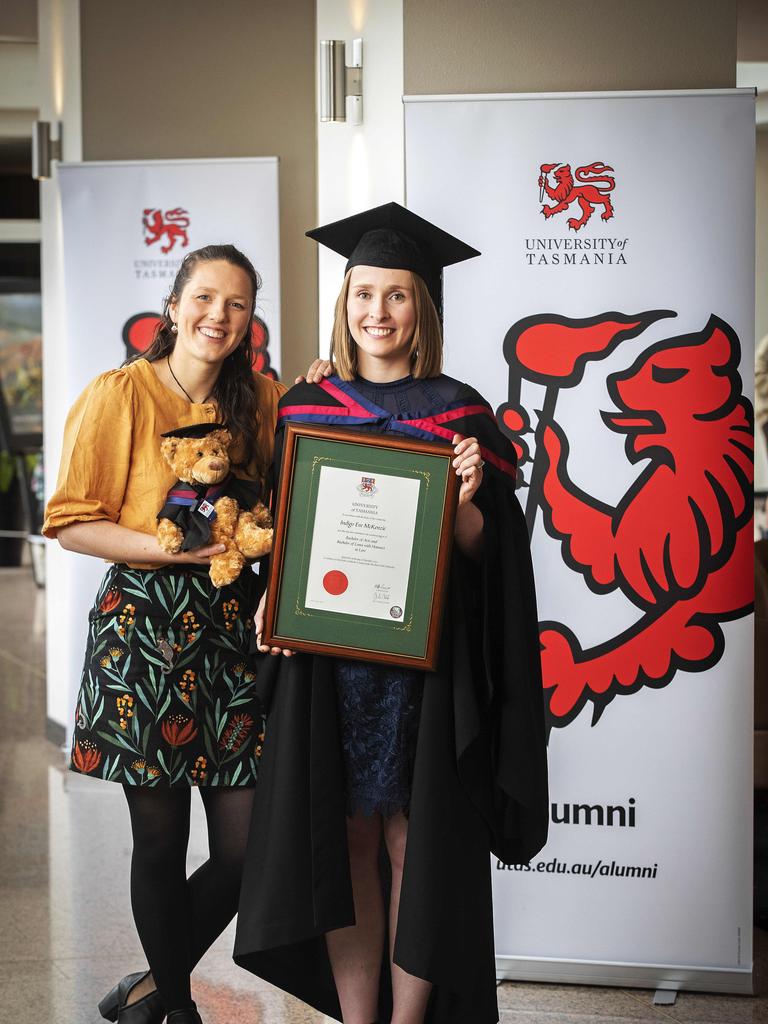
{"type": "Point", "coordinates": [391, 236]}
{"type": "Point", "coordinates": [194, 430]}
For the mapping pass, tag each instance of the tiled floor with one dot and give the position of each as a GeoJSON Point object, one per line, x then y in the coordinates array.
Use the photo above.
{"type": "Point", "coordinates": [65, 925]}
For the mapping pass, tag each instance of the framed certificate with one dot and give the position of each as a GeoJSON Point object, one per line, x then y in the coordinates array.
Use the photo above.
{"type": "Point", "coordinates": [363, 535]}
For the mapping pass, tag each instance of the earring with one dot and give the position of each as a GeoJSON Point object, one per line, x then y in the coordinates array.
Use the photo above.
{"type": "Point", "coordinates": [174, 329]}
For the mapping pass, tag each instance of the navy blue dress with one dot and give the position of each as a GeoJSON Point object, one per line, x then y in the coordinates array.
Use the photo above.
{"type": "Point", "coordinates": [379, 705]}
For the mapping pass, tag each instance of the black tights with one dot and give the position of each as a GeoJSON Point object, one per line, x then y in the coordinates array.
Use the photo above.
{"type": "Point", "coordinates": [178, 918]}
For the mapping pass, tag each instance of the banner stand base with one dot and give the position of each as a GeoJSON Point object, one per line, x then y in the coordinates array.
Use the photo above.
{"type": "Point", "coordinates": [669, 977]}
{"type": "Point", "coordinates": [665, 997]}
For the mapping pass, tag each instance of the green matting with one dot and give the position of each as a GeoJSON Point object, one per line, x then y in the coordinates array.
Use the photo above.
{"type": "Point", "coordinates": [293, 620]}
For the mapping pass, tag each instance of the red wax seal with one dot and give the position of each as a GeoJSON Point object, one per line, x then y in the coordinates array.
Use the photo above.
{"type": "Point", "coordinates": [335, 582]}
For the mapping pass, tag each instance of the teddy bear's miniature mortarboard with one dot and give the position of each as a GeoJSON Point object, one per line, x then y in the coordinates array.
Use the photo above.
{"type": "Point", "coordinates": [393, 237]}
{"type": "Point", "coordinates": [194, 430]}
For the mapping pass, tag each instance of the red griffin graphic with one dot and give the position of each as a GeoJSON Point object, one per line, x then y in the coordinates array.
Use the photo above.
{"type": "Point", "coordinates": [679, 543]}
{"type": "Point", "coordinates": [588, 195]}
{"type": "Point", "coordinates": [171, 225]}
{"type": "Point", "coordinates": [139, 333]}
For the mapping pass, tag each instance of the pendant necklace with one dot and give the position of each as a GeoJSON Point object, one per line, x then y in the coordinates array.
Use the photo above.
{"type": "Point", "coordinates": [191, 399]}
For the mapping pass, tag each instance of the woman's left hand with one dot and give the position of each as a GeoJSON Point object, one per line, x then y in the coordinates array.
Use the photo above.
{"type": "Point", "coordinates": [468, 463]}
{"type": "Point", "coordinates": [258, 625]}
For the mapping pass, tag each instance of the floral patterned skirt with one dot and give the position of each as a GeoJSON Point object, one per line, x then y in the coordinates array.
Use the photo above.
{"type": "Point", "coordinates": [167, 694]}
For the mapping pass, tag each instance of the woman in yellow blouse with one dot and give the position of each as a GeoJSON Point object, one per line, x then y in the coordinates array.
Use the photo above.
{"type": "Point", "coordinates": [167, 697]}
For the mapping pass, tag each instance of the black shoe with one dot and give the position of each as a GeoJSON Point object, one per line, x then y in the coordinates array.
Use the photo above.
{"type": "Point", "coordinates": [148, 1010]}
{"type": "Point", "coordinates": [186, 1016]}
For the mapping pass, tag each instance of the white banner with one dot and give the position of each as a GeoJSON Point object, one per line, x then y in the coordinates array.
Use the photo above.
{"type": "Point", "coordinates": [610, 321]}
{"type": "Point", "coordinates": [126, 228]}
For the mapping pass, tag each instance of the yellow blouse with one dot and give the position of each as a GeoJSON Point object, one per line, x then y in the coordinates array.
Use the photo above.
{"type": "Point", "coordinates": [111, 466]}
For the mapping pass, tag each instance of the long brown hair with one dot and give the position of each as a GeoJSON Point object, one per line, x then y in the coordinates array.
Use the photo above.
{"type": "Point", "coordinates": [426, 351]}
{"type": "Point", "coordinates": [234, 391]}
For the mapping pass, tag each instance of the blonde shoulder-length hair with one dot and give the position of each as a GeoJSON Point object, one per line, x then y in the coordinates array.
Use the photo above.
{"type": "Point", "coordinates": [426, 345]}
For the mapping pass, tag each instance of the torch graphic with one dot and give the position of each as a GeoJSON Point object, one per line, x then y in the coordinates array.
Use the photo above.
{"type": "Point", "coordinates": [544, 170]}
{"type": "Point", "coordinates": [554, 351]}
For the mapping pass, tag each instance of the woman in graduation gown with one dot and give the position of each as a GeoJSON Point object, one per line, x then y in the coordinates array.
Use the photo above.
{"type": "Point", "coordinates": [436, 769]}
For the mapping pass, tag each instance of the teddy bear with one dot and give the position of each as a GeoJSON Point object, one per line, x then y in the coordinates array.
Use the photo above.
{"type": "Point", "coordinates": [208, 504]}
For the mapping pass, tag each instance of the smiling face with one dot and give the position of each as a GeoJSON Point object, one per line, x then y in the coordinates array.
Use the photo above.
{"type": "Point", "coordinates": [213, 312]}
{"type": "Point", "coordinates": [381, 314]}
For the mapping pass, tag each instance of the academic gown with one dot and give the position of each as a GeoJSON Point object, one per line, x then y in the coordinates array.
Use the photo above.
{"type": "Point", "coordinates": [479, 777]}
{"type": "Point", "coordinates": [190, 506]}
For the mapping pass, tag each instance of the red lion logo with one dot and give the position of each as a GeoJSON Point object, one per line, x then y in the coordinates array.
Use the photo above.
{"type": "Point", "coordinates": [679, 544]}
{"type": "Point", "coordinates": [139, 332]}
{"type": "Point", "coordinates": [172, 225]}
{"type": "Point", "coordinates": [588, 195]}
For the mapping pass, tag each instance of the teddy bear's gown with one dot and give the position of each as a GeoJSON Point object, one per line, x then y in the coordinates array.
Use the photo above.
{"type": "Point", "coordinates": [461, 749]}
{"type": "Point", "coordinates": [167, 695]}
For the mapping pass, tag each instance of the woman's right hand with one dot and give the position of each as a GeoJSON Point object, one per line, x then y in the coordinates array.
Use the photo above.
{"type": "Point", "coordinates": [319, 369]}
{"type": "Point", "coordinates": [197, 556]}
{"type": "Point", "coordinates": [258, 625]}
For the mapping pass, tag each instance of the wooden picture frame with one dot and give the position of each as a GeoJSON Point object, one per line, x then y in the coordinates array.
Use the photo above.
{"type": "Point", "coordinates": [363, 536]}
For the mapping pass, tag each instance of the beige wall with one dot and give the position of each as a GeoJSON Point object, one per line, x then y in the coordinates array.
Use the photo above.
{"type": "Point", "coordinates": [195, 79]}
{"type": "Point", "coordinates": [753, 30]}
{"type": "Point", "coordinates": [18, 20]}
{"type": "Point", "coordinates": [452, 46]}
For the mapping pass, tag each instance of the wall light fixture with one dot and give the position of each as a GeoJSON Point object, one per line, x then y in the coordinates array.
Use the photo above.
{"type": "Point", "coordinates": [44, 148]}
{"type": "Point", "coordinates": [341, 85]}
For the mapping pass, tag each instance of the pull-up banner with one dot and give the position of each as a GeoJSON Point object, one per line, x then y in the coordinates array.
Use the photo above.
{"type": "Point", "coordinates": [126, 227]}
{"type": "Point", "coordinates": [610, 322]}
